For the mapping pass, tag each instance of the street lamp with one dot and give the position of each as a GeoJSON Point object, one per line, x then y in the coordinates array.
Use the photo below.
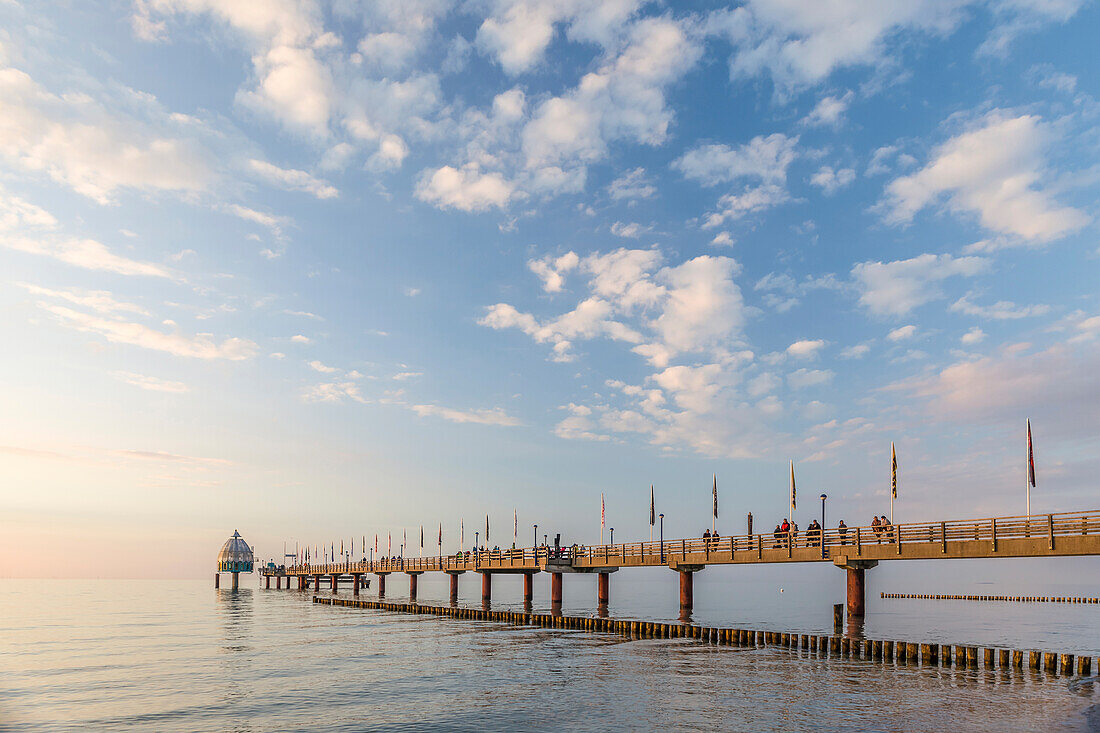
{"type": "Point", "coordinates": [612, 535]}
{"type": "Point", "coordinates": [821, 532]}
{"type": "Point", "coordinates": [662, 538]}
{"type": "Point", "coordinates": [535, 539]}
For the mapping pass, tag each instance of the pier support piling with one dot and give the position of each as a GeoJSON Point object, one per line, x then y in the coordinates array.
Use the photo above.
{"type": "Point", "coordinates": [555, 589]}
{"type": "Point", "coordinates": [856, 582]}
{"type": "Point", "coordinates": [355, 584]}
{"type": "Point", "coordinates": [217, 581]}
{"type": "Point", "coordinates": [687, 590]}
{"type": "Point", "coordinates": [454, 587]}
{"type": "Point", "coordinates": [486, 587]}
{"type": "Point", "coordinates": [602, 588]}
{"type": "Point", "coordinates": [528, 587]}
{"type": "Point", "coordinates": [335, 581]}
{"type": "Point", "coordinates": [381, 586]}
{"type": "Point", "coordinates": [236, 580]}
{"type": "Point", "coordinates": [412, 587]}
{"type": "Point", "coordinates": [267, 583]}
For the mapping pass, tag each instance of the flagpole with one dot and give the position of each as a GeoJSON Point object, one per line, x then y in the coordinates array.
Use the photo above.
{"type": "Point", "coordinates": [1027, 469]}
{"type": "Point", "coordinates": [714, 505]}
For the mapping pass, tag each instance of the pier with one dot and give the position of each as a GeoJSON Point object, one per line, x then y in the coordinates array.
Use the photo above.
{"type": "Point", "coordinates": [853, 549]}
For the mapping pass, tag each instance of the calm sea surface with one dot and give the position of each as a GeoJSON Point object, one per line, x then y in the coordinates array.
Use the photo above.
{"type": "Point", "coordinates": [181, 656]}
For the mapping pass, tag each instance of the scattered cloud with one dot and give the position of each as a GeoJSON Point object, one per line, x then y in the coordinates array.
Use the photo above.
{"type": "Point", "coordinates": [300, 339]}
{"type": "Point", "coordinates": [973, 336]}
{"type": "Point", "coordinates": [1002, 310]}
{"type": "Point", "coordinates": [830, 181]}
{"type": "Point", "coordinates": [992, 170]}
{"type": "Point", "coordinates": [634, 184]}
{"type": "Point", "coordinates": [318, 366]}
{"type": "Point", "coordinates": [902, 333]}
{"type": "Point", "coordinates": [153, 384]}
{"type": "Point", "coordinates": [829, 111]}
{"type": "Point", "coordinates": [201, 346]}
{"type": "Point", "coordinates": [896, 288]}
{"type": "Point", "coordinates": [333, 392]}
{"type": "Point", "coordinates": [805, 349]}
{"type": "Point", "coordinates": [492, 416]}
{"type": "Point", "coordinates": [290, 179]}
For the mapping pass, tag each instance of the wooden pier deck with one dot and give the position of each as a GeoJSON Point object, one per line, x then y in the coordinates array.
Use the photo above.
{"type": "Point", "coordinates": [855, 549]}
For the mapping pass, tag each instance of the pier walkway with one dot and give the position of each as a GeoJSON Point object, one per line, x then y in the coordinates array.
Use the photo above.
{"type": "Point", "coordinates": [854, 549]}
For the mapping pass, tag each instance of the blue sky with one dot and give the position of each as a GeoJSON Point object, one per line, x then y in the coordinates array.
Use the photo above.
{"type": "Point", "coordinates": [315, 271]}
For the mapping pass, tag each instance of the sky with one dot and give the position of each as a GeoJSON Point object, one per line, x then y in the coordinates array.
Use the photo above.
{"type": "Point", "coordinates": [322, 271]}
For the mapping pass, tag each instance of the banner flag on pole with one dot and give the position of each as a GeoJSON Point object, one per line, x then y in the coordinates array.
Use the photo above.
{"type": "Point", "coordinates": [715, 492]}
{"type": "Point", "coordinates": [375, 543]}
{"type": "Point", "coordinates": [441, 534]}
{"type": "Point", "coordinates": [794, 491]}
{"type": "Point", "coordinates": [389, 544]}
{"type": "Point", "coordinates": [422, 537]}
{"type": "Point", "coordinates": [893, 471]}
{"type": "Point", "coordinates": [515, 523]}
{"type": "Point", "coordinates": [652, 508]}
{"type": "Point", "coordinates": [1030, 456]}
{"type": "Point", "coordinates": [461, 534]}
{"type": "Point", "coordinates": [486, 530]}
{"type": "Point", "coordinates": [603, 515]}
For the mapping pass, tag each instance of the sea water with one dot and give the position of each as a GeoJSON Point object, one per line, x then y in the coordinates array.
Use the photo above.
{"type": "Point", "coordinates": [178, 655]}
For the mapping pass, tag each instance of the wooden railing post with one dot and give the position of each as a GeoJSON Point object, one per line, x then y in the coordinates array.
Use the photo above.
{"type": "Point", "coordinates": [993, 532]}
{"type": "Point", "coordinates": [943, 537]}
{"type": "Point", "coordinates": [1050, 530]}
{"type": "Point", "coordinates": [859, 544]}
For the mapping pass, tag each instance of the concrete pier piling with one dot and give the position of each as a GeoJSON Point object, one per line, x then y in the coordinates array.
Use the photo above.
{"type": "Point", "coordinates": [555, 589]}
{"type": "Point", "coordinates": [486, 587]}
{"type": "Point", "coordinates": [603, 585]}
{"type": "Point", "coordinates": [528, 587]}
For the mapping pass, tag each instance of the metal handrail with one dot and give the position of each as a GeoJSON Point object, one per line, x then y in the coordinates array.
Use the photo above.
{"type": "Point", "coordinates": [991, 529]}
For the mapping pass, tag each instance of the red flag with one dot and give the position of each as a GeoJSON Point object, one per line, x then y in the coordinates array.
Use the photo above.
{"type": "Point", "coordinates": [1030, 456]}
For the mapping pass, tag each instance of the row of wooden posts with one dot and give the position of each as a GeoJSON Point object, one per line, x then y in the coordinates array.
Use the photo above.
{"type": "Point", "coordinates": [837, 646]}
{"type": "Point", "coordinates": [1018, 599]}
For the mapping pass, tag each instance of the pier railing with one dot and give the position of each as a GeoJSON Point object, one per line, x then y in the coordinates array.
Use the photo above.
{"type": "Point", "coordinates": [1035, 535]}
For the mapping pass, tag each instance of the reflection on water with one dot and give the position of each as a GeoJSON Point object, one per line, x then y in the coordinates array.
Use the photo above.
{"type": "Point", "coordinates": [234, 612]}
{"type": "Point", "coordinates": [179, 656]}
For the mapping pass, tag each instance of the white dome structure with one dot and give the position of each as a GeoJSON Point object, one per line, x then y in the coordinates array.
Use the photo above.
{"type": "Point", "coordinates": [235, 557]}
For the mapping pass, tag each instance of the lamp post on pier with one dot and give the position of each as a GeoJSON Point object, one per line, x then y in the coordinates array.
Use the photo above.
{"type": "Point", "coordinates": [535, 539]}
{"type": "Point", "coordinates": [612, 535]}
{"type": "Point", "coordinates": [662, 516]}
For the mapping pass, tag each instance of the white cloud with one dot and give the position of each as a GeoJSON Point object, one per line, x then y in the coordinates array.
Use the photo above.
{"type": "Point", "coordinates": [895, 288]}
{"type": "Point", "coordinates": [579, 425]}
{"type": "Point", "coordinates": [401, 376]}
{"type": "Point", "coordinates": [98, 300]}
{"type": "Point", "coordinates": [552, 270]}
{"type": "Point", "coordinates": [518, 32]}
{"type": "Point", "coordinates": [153, 384]}
{"type": "Point", "coordinates": [992, 170]}
{"type": "Point", "coordinates": [86, 253]}
{"type": "Point", "coordinates": [201, 346]}
{"type": "Point", "coordinates": [333, 392]}
{"type": "Point", "coordinates": [732, 207]}
{"type": "Point", "coordinates": [96, 151]}
{"type": "Point", "coordinates": [763, 158]}
{"type": "Point", "coordinates": [634, 184]}
{"type": "Point", "coordinates": [829, 111]}
{"type": "Point", "coordinates": [803, 378]}
{"type": "Point", "coordinates": [276, 224]}
{"type": "Point", "coordinates": [722, 239]}
{"type": "Point", "coordinates": [318, 366]}
{"type": "Point", "coordinates": [973, 336]}
{"type": "Point", "coordinates": [629, 231]}
{"type": "Point", "coordinates": [467, 189]}
{"type": "Point", "coordinates": [292, 180]}
{"type": "Point", "coordinates": [492, 416]}
{"type": "Point", "coordinates": [695, 305]}
{"type": "Point", "coordinates": [805, 349]}
{"type": "Point", "coordinates": [623, 100]}
{"type": "Point", "coordinates": [1002, 310]}
{"type": "Point", "coordinates": [300, 339]}
{"type": "Point", "coordinates": [902, 333]}
{"type": "Point", "coordinates": [830, 181]}
{"type": "Point", "coordinates": [858, 351]}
